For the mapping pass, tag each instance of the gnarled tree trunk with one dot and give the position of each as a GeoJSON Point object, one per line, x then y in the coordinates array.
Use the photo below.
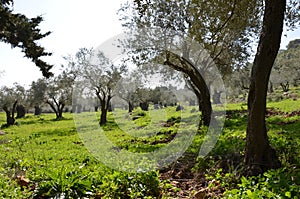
{"type": "Point", "coordinates": [57, 107]}
{"type": "Point", "coordinates": [37, 110]}
{"type": "Point", "coordinates": [103, 116]}
{"type": "Point", "coordinates": [144, 106]}
{"type": "Point", "coordinates": [21, 111]}
{"type": "Point", "coordinates": [197, 82]}
{"type": "Point", "coordinates": [10, 115]}
{"type": "Point", "coordinates": [105, 103]}
{"type": "Point", "coordinates": [130, 107]}
{"type": "Point", "coordinates": [260, 156]}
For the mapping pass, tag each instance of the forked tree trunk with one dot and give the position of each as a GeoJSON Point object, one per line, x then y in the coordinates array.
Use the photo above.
{"type": "Point", "coordinates": [285, 86]}
{"type": "Point", "coordinates": [259, 155]}
{"type": "Point", "coordinates": [58, 109]}
{"type": "Point", "coordinates": [104, 109]}
{"type": "Point", "coordinates": [10, 115]}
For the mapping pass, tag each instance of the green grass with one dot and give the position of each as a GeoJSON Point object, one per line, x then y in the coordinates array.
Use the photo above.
{"type": "Point", "coordinates": [283, 130]}
{"type": "Point", "coordinates": [287, 105]}
{"type": "Point", "coordinates": [55, 155]}
{"type": "Point", "coordinates": [52, 156]}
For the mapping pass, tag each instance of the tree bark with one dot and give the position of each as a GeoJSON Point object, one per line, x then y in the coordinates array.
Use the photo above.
{"type": "Point", "coordinates": [130, 107]}
{"type": "Point", "coordinates": [103, 116]}
{"type": "Point", "coordinates": [259, 155]}
{"type": "Point", "coordinates": [217, 97]}
{"type": "Point", "coordinates": [197, 93]}
{"type": "Point", "coordinates": [144, 106]}
{"type": "Point", "coordinates": [105, 103]}
{"type": "Point", "coordinates": [110, 108]}
{"type": "Point", "coordinates": [58, 111]}
{"type": "Point", "coordinates": [285, 86]}
{"type": "Point", "coordinates": [197, 81]}
{"type": "Point", "coordinates": [37, 110]}
{"type": "Point", "coordinates": [10, 115]}
{"type": "Point", "coordinates": [9, 119]}
{"type": "Point", "coordinates": [21, 111]}
{"type": "Point", "coordinates": [271, 88]}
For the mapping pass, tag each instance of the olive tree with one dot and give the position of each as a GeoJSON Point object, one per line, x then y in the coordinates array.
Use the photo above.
{"type": "Point", "coordinates": [59, 93]}
{"type": "Point", "coordinates": [127, 90]}
{"type": "Point", "coordinates": [10, 99]}
{"type": "Point", "coordinates": [98, 75]}
{"type": "Point", "coordinates": [36, 95]}
{"type": "Point", "coordinates": [227, 29]}
{"type": "Point", "coordinates": [286, 68]}
{"type": "Point", "coordinates": [220, 26]}
{"type": "Point", "coordinates": [259, 155]}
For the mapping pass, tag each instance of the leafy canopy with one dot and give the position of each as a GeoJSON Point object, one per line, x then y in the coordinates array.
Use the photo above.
{"type": "Point", "coordinates": [23, 32]}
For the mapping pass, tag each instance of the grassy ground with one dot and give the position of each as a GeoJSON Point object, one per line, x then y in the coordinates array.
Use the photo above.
{"type": "Point", "coordinates": [42, 158]}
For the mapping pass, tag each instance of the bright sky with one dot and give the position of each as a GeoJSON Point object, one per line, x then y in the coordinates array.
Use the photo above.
{"type": "Point", "coordinates": [74, 24]}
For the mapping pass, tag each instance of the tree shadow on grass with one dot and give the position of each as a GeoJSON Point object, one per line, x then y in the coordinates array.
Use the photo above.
{"type": "Point", "coordinates": [59, 132]}
{"type": "Point", "coordinates": [284, 136]}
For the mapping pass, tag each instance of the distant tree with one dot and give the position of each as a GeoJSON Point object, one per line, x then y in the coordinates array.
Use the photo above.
{"type": "Point", "coordinates": [239, 81]}
{"type": "Point", "coordinates": [23, 32]}
{"type": "Point", "coordinates": [21, 96]}
{"type": "Point", "coordinates": [162, 95]}
{"type": "Point", "coordinates": [126, 90]}
{"type": "Point", "coordinates": [100, 76]}
{"type": "Point", "coordinates": [293, 44]}
{"type": "Point", "coordinates": [143, 97]}
{"type": "Point", "coordinates": [59, 93]}
{"type": "Point", "coordinates": [37, 92]}
{"type": "Point", "coordinates": [9, 99]}
{"type": "Point", "coordinates": [221, 26]}
{"type": "Point", "coordinates": [286, 70]}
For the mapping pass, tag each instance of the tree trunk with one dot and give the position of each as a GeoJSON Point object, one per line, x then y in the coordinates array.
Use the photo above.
{"type": "Point", "coordinates": [183, 65]}
{"type": "Point", "coordinates": [78, 108]}
{"type": "Point", "coordinates": [9, 119]}
{"type": "Point", "coordinates": [197, 93]}
{"type": "Point", "coordinates": [217, 97]}
{"type": "Point", "coordinates": [144, 106]}
{"type": "Point", "coordinates": [60, 111]}
{"type": "Point", "coordinates": [103, 116]}
{"type": "Point", "coordinates": [110, 108]}
{"type": "Point", "coordinates": [130, 107]}
{"type": "Point", "coordinates": [10, 115]}
{"type": "Point", "coordinates": [259, 155]}
{"type": "Point", "coordinates": [37, 110]}
{"type": "Point", "coordinates": [21, 111]}
{"type": "Point", "coordinates": [285, 86]}
{"type": "Point", "coordinates": [57, 111]}
{"type": "Point", "coordinates": [271, 88]}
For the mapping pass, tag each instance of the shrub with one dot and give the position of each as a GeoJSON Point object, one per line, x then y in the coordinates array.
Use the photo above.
{"type": "Point", "coordinates": [280, 183]}
{"type": "Point", "coordinates": [126, 185]}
